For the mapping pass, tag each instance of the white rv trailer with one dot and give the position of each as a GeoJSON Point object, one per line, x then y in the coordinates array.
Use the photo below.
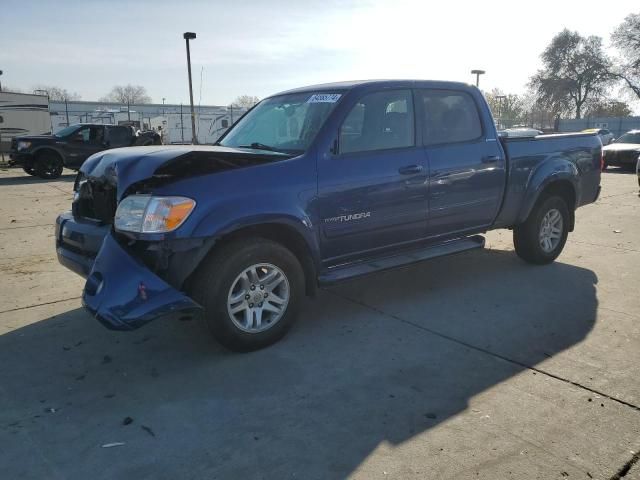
{"type": "Point", "coordinates": [173, 122]}
{"type": "Point", "coordinates": [23, 114]}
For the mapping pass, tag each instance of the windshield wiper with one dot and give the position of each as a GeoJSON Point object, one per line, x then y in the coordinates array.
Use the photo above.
{"type": "Point", "coordinates": [259, 146]}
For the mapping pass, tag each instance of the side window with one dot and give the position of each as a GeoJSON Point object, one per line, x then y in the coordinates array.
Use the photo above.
{"type": "Point", "coordinates": [449, 117]}
{"type": "Point", "coordinates": [118, 136]}
{"type": "Point", "coordinates": [82, 135]}
{"type": "Point", "coordinates": [379, 121]}
{"type": "Point", "coordinates": [96, 134]}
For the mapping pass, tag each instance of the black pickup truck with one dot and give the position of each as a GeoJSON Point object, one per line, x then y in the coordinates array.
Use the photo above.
{"type": "Point", "coordinates": [46, 155]}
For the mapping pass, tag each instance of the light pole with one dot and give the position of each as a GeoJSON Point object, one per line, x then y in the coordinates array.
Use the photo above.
{"type": "Point", "coordinates": [163, 99]}
{"type": "Point", "coordinates": [500, 98]}
{"type": "Point", "coordinates": [0, 82]}
{"type": "Point", "coordinates": [477, 73]}
{"type": "Point", "coordinates": [191, 36]}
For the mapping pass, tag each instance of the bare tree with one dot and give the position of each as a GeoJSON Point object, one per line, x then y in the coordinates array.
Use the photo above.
{"type": "Point", "coordinates": [127, 94]}
{"type": "Point", "coordinates": [58, 94]}
{"type": "Point", "coordinates": [626, 38]}
{"type": "Point", "coordinates": [575, 71]}
{"type": "Point", "coordinates": [245, 101]}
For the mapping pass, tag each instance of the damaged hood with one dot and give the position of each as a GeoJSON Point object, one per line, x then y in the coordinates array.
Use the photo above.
{"type": "Point", "coordinates": [123, 167]}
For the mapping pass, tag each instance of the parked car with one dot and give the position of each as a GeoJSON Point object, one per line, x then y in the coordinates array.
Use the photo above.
{"type": "Point", "coordinates": [46, 155]}
{"type": "Point", "coordinates": [520, 132]}
{"type": "Point", "coordinates": [605, 135]}
{"type": "Point", "coordinates": [311, 187]}
{"type": "Point", "coordinates": [624, 151]}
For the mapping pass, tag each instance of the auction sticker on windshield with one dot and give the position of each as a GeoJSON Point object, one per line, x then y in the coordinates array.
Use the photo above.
{"type": "Point", "coordinates": [324, 98]}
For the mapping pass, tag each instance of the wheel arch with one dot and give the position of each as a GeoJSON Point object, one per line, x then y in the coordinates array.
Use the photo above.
{"type": "Point", "coordinates": [48, 149]}
{"type": "Point", "coordinates": [280, 232]}
{"type": "Point", "coordinates": [557, 176]}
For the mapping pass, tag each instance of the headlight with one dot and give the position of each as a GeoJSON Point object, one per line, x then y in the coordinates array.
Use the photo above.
{"type": "Point", "coordinates": [147, 214]}
{"type": "Point", "coordinates": [23, 145]}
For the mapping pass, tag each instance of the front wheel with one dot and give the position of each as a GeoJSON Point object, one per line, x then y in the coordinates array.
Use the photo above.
{"type": "Point", "coordinates": [48, 165]}
{"type": "Point", "coordinates": [250, 291]}
{"type": "Point", "coordinates": [29, 169]}
{"type": "Point", "coordinates": [541, 238]}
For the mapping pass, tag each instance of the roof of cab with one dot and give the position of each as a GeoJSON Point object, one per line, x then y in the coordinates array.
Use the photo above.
{"type": "Point", "coordinates": [349, 85]}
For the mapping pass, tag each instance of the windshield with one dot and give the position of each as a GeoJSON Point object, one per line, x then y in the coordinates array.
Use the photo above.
{"type": "Point", "coordinates": [66, 131]}
{"type": "Point", "coordinates": [629, 138]}
{"type": "Point", "coordinates": [286, 123]}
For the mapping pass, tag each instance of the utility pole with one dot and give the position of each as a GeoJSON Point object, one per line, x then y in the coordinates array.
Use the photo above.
{"type": "Point", "coordinates": [66, 110]}
{"type": "Point", "coordinates": [191, 36]}
{"type": "Point", "coordinates": [181, 124]}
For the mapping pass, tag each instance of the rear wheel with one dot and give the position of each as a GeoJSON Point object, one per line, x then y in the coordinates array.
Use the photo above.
{"type": "Point", "coordinates": [48, 165]}
{"type": "Point", "coordinates": [541, 238]}
{"type": "Point", "coordinates": [250, 291]}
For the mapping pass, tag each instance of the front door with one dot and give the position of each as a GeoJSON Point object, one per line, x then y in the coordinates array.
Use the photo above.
{"type": "Point", "coordinates": [466, 166]}
{"type": "Point", "coordinates": [372, 191]}
{"type": "Point", "coordinates": [83, 143]}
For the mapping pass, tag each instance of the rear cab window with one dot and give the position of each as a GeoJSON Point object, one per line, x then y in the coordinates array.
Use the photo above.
{"type": "Point", "coordinates": [449, 116]}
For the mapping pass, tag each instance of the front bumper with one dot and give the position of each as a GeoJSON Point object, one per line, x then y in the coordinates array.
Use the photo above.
{"type": "Point", "coordinates": [121, 292]}
{"type": "Point", "coordinates": [20, 158]}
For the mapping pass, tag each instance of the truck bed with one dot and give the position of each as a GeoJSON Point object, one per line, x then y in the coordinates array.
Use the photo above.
{"type": "Point", "coordinates": [530, 158]}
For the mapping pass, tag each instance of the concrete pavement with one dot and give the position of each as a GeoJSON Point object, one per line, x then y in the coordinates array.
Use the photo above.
{"type": "Point", "coordinates": [471, 366]}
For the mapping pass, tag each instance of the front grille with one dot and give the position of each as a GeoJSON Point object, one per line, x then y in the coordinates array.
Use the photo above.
{"type": "Point", "coordinates": [94, 200]}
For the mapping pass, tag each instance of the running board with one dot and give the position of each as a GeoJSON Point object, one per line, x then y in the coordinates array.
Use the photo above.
{"type": "Point", "coordinates": [365, 267]}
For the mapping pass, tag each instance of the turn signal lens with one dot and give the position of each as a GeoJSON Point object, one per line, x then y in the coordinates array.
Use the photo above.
{"type": "Point", "coordinates": [147, 214]}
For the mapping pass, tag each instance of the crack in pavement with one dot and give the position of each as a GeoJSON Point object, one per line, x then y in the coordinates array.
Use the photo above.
{"type": "Point", "coordinates": [29, 226]}
{"type": "Point", "coordinates": [38, 305]}
{"type": "Point", "coordinates": [488, 352]}
{"type": "Point", "coordinates": [626, 467]}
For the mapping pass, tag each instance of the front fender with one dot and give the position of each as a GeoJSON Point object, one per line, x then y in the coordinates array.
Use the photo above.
{"type": "Point", "coordinates": [553, 169]}
{"type": "Point", "coordinates": [224, 221]}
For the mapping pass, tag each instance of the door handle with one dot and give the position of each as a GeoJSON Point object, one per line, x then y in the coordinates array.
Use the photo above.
{"type": "Point", "coordinates": [490, 159]}
{"type": "Point", "coordinates": [410, 169]}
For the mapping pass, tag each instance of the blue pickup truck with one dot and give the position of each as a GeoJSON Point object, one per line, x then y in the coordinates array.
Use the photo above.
{"type": "Point", "coordinates": [310, 187]}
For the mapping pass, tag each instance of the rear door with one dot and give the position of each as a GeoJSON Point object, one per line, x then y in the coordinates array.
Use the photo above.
{"type": "Point", "coordinates": [118, 136]}
{"type": "Point", "coordinates": [466, 166]}
{"type": "Point", "coordinates": [372, 192]}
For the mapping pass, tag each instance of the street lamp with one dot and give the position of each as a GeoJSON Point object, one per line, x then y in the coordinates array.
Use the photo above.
{"type": "Point", "coordinates": [0, 82]}
{"type": "Point", "coordinates": [191, 36]}
{"type": "Point", "coordinates": [477, 73]}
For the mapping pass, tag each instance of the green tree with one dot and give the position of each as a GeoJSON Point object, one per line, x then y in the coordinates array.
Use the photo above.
{"type": "Point", "coordinates": [575, 70]}
{"type": "Point", "coordinates": [507, 109]}
{"type": "Point", "coordinates": [626, 38]}
{"type": "Point", "coordinates": [609, 108]}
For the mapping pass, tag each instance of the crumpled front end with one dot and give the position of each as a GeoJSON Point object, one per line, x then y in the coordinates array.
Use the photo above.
{"type": "Point", "coordinates": [123, 294]}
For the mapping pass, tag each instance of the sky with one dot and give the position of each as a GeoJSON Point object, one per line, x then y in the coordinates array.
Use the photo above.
{"type": "Point", "coordinates": [259, 48]}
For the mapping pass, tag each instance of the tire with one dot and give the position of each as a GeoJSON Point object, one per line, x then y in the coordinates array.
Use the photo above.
{"type": "Point", "coordinates": [29, 169]}
{"type": "Point", "coordinates": [220, 287]}
{"type": "Point", "coordinates": [48, 165]}
{"type": "Point", "coordinates": [528, 236]}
